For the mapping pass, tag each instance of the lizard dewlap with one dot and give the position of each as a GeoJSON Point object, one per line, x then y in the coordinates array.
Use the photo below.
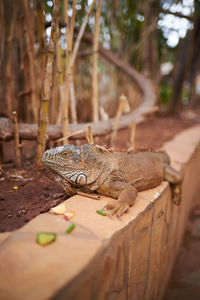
{"type": "Point", "coordinates": [45, 238]}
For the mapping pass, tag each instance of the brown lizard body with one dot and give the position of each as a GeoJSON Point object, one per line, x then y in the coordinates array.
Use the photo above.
{"type": "Point", "coordinates": [90, 168]}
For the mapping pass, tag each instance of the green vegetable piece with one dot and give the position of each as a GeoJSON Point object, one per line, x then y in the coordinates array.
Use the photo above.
{"type": "Point", "coordinates": [70, 228]}
{"type": "Point", "coordinates": [45, 238]}
{"type": "Point", "coordinates": [103, 213]}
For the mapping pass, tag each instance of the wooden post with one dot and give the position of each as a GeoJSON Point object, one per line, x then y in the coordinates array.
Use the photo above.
{"type": "Point", "coordinates": [95, 90]}
{"type": "Point", "coordinates": [47, 84]}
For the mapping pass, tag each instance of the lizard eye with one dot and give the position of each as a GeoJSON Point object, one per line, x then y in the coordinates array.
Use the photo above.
{"type": "Point", "coordinates": [66, 154]}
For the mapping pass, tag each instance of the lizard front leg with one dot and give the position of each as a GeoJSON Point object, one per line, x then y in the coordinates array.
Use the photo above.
{"type": "Point", "coordinates": [124, 192]}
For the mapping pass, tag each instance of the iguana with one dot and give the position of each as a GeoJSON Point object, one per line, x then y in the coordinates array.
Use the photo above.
{"type": "Point", "coordinates": [92, 168]}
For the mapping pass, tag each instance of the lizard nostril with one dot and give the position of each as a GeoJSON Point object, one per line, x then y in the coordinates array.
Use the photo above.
{"type": "Point", "coordinates": [48, 154]}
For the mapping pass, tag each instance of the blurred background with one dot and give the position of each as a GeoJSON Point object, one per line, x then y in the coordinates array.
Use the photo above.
{"type": "Point", "coordinates": [160, 39]}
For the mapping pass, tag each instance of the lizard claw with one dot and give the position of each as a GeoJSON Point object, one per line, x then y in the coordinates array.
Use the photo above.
{"type": "Point", "coordinates": [122, 210]}
{"type": "Point", "coordinates": [116, 208]}
{"type": "Point", "coordinates": [108, 206]}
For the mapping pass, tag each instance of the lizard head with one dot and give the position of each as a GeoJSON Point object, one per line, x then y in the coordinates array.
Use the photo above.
{"type": "Point", "coordinates": [78, 165]}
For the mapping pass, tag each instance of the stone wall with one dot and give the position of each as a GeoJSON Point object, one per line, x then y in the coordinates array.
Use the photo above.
{"type": "Point", "coordinates": [105, 258]}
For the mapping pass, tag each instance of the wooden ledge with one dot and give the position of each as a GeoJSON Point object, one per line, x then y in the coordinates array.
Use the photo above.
{"type": "Point", "coordinates": [104, 257]}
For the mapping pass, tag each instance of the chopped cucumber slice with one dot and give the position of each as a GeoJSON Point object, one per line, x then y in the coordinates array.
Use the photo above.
{"type": "Point", "coordinates": [45, 238]}
{"type": "Point", "coordinates": [70, 228]}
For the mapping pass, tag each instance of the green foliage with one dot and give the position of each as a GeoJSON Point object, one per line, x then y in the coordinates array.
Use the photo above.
{"type": "Point", "coordinates": [165, 92]}
{"type": "Point", "coordinates": [47, 8]}
{"type": "Point", "coordinates": [185, 95]}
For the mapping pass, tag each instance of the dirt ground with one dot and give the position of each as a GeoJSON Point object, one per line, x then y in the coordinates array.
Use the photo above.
{"type": "Point", "coordinates": [26, 193]}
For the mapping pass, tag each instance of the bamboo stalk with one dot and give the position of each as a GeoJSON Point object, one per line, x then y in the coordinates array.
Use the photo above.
{"type": "Point", "coordinates": [72, 61]}
{"type": "Point", "coordinates": [9, 68]}
{"type": "Point", "coordinates": [62, 82]}
{"type": "Point", "coordinates": [61, 103]}
{"type": "Point", "coordinates": [68, 135]}
{"type": "Point", "coordinates": [31, 61]}
{"type": "Point", "coordinates": [87, 136]}
{"type": "Point", "coordinates": [47, 84]}
{"type": "Point", "coordinates": [2, 31]}
{"type": "Point", "coordinates": [80, 34]}
{"type": "Point", "coordinates": [120, 109]}
{"type": "Point", "coordinates": [24, 94]}
{"type": "Point", "coordinates": [53, 104]}
{"type": "Point", "coordinates": [17, 143]}
{"type": "Point", "coordinates": [71, 29]}
{"type": "Point", "coordinates": [132, 136]}
{"type": "Point", "coordinates": [72, 99]}
{"type": "Point", "coordinates": [95, 90]}
{"type": "Point", "coordinates": [41, 35]}
{"type": "Point", "coordinates": [90, 135]}
{"type": "Point", "coordinates": [68, 72]}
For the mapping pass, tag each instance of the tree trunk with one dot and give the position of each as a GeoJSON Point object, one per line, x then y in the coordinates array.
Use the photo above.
{"type": "Point", "coordinates": [150, 47]}
{"type": "Point", "coordinates": [195, 56]}
{"type": "Point", "coordinates": [180, 70]}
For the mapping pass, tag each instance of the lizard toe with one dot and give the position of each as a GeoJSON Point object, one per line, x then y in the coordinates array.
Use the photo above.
{"type": "Point", "coordinates": [113, 207]}
{"type": "Point", "coordinates": [114, 210]}
{"type": "Point", "coordinates": [122, 209]}
{"type": "Point", "coordinates": [108, 206]}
